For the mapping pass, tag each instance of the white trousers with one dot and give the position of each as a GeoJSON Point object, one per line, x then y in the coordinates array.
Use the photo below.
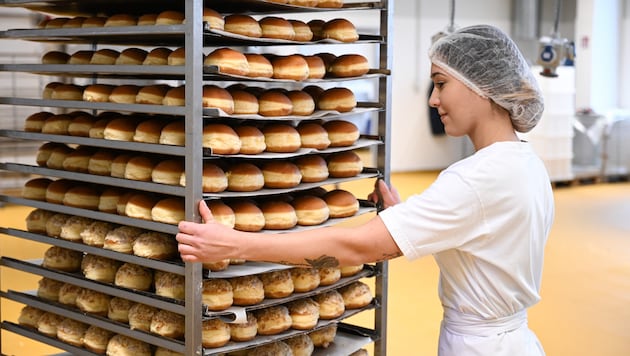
{"type": "Point", "coordinates": [466, 335]}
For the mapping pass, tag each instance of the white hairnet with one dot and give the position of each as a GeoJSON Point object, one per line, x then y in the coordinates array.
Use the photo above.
{"type": "Point", "coordinates": [489, 62]}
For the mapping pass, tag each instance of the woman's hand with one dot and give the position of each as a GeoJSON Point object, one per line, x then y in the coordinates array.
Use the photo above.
{"type": "Point", "coordinates": [384, 195]}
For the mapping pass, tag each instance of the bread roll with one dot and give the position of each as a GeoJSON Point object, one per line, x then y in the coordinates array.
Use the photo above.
{"type": "Point", "coordinates": [168, 171]}
{"type": "Point", "coordinates": [259, 66]}
{"type": "Point", "coordinates": [349, 65]}
{"type": "Point", "coordinates": [35, 122]}
{"type": "Point", "coordinates": [140, 316]}
{"type": "Point", "coordinates": [140, 205]}
{"type": "Point", "coordinates": [56, 124]}
{"type": "Point", "coordinates": [213, 18]}
{"type": "Point", "coordinates": [121, 128]}
{"type": "Point", "coordinates": [304, 279]}
{"type": "Point", "coordinates": [55, 223]}
{"type": "Point", "coordinates": [214, 333]}
{"type": "Point", "coordinates": [100, 163]}
{"type": "Point", "coordinates": [325, 336]}
{"type": "Point", "coordinates": [170, 17]}
{"type": "Point", "coordinates": [119, 309]}
{"type": "Point", "coordinates": [96, 339]}
{"type": "Point", "coordinates": [247, 290]}
{"type": "Point", "coordinates": [229, 61]}
{"type": "Point", "coordinates": [216, 294]}
{"type": "Point", "coordinates": [242, 24]}
{"type": "Point", "coordinates": [344, 164]}
{"type": "Point", "coordinates": [313, 135]}
{"type": "Point", "coordinates": [356, 295]}
{"type": "Point", "coordinates": [300, 345]}
{"type": "Point", "coordinates": [121, 239]}
{"type": "Point", "coordinates": [341, 133]}
{"type": "Point", "coordinates": [277, 28]}
{"type": "Point", "coordinates": [177, 57]}
{"type": "Point", "coordinates": [98, 128]}
{"type": "Point", "coordinates": [94, 234]}
{"type": "Point", "coordinates": [310, 210]}
{"type": "Point", "coordinates": [173, 133]}
{"type": "Point", "coordinates": [152, 94]}
{"type": "Point", "coordinates": [134, 276]}
{"type": "Point", "coordinates": [247, 216]}
{"type": "Point", "coordinates": [157, 56]}
{"type": "Point", "coordinates": [139, 168]}
{"type": "Point", "coordinates": [293, 67]}
{"type": "Point", "coordinates": [82, 196]}
{"type": "Point", "coordinates": [121, 205]}
{"type": "Point", "coordinates": [36, 220]}
{"type": "Point", "coordinates": [72, 228]}
{"type": "Point", "coordinates": [67, 92]}
{"type": "Point", "coordinates": [175, 96]}
{"type": "Point", "coordinates": [341, 203]}
{"type": "Point", "coordinates": [71, 332]}
{"type": "Point", "coordinates": [94, 21]}
{"type": "Point", "coordinates": [274, 103]}
{"type": "Point", "coordinates": [221, 138]}
{"type": "Point", "coordinates": [169, 210]}
{"type": "Point", "coordinates": [29, 316]}
{"type": "Point", "coordinates": [121, 20]}
{"type": "Point", "coordinates": [45, 150]}
{"type": "Point", "coordinates": [169, 285]}
{"type": "Point", "coordinates": [93, 302]}
{"type": "Point", "coordinates": [273, 320]}
{"type": "Point", "coordinates": [124, 94]}
{"type": "Point", "coordinates": [221, 212]}
{"type": "Point", "coordinates": [155, 245]}
{"type": "Point", "coordinates": [105, 56]}
{"type": "Point", "coordinates": [121, 345]}
{"type": "Point", "coordinates": [331, 305]}
{"type": "Point", "coordinates": [168, 324]}
{"type": "Point", "coordinates": [149, 130]}
{"type": "Point", "coordinates": [304, 313]}
{"type": "Point", "coordinates": [245, 103]}
{"type": "Point", "coordinates": [131, 56]}
{"type": "Point", "coordinates": [303, 103]}
{"type": "Point", "coordinates": [329, 275]}
{"type": "Point", "coordinates": [81, 124]}
{"type": "Point", "coordinates": [337, 99]}
{"type": "Point", "coordinates": [281, 138]}
{"type": "Point", "coordinates": [214, 179]}
{"type": "Point", "coordinates": [341, 30]}
{"type": "Point", "coordinates": [81, 57]}
{"type": "Point", "coordinates": [316, 67]}
{"type": "Point", "coordinates": [217, 97]}
{"type": "Point", "coordinates": [35, 188]}
{"type": "Point", "coordinates": [57, 189]}
{"type": "Point", "coordinates": [99, 268]}
{"type": "Point", "coordinates": [252, 139]}
{"type": "Point", "coordinates": [302, 31]}
{"type": "Point", "coordinates": [244, 177]}
{"type": "Point", "coordinates": [47, 324]}
{"type": "Point", "coordinates": [55, 57]}
{"type": "Point", "coordinates": [277, 284]}
{"type": "Point", "coordinates": [147, 19]}
{"type": "Point", "coordinates": [279, 215]}
{"type": "Point", "coordinates": [48, 289]}
{"type": "Point", "coordinates": [281, 174]}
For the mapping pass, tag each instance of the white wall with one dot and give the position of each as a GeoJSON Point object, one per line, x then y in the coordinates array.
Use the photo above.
{"type": "Point", "coordinates": [413, 145]}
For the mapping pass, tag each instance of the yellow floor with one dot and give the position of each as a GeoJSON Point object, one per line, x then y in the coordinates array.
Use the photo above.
{"type": "Point", "coordinates": [585, 308]}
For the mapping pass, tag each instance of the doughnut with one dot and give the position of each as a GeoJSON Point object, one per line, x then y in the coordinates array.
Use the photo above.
{"type": "Point", "coordinates": [349, 65]}
{"type": "Point", "coordinates": [94, 234]}
{"type": "Point", "coordinates": [324, 337]}
{"type": "Point", "coordinates": [340, 29]}
{"type": "Point", "coordinates": [147, 20]}
{"type": "Point", "coordinates": [168, 324]}
{"type": "Point", "coordinates": [173, 133]}
{"type": "Point", "coordinates": [119, 165]}
{"type": "Point", "coordinates": [78, 160]}
{"type": "Point", "coordinates": [277, 28]}
{"type": "Point", "coordinates": [316, 26]}
{"type": "Point", "coordinates": [229, 61]}
{"type": "Point", "coordinates": [175, 96]}
{"type": "Point", "coordinates": [82, 196]}
{"type": "Point", "coordinates": [316, 67]}
{"type": "Point", "coordinates": [245, 103]}
{"type": "Point", "coordinates": [98, 268]}
{"type": "Point", "coordinates": [134, 276]}
{"type": "Point", "coordinates": [356, 295]}
{"type": "Point", "coordinates": [281, 138]}
{"type": "Point", "coordinates": [170, 17]}
{"type": "Point", "coordinates": [221, 138]}
{"type": "Point", "coordinates": [341, 133]}
{"type": "Point", "coordinates": [121, 238]}
{"type": "Point", "coordinates": [341, 203]}
{"type": "Point", "coordinates": [131, 56]}
{"type": "Point", "coordinates": [157, 56]}
{"type": "Point", "coordinates": [213, 18]}
{"type": "Point", "coordinates": [313, 135]}
{"type": "Point", "coordinates": [304, 313]}
{"type": "Point", "coordinates": [47, 324]}
{"type": "Point", "coordinates": [35, 188]}
{"type": "Point", "coordinates": [329, 275]}
{"type": "Point", "coordinates": [247, 290]}
{"type": "Point", "coordinates": [104, 56]}
{"type": "Point", "coordinates": [337, 99]}
{"type": "Point", "coordinates": [170, 210]}
{"type": "Point", "coordinates": [273, 320]}
{"type": "Point", "coordinates": [68, 294]}
{"type": "Point", "coordinates": [216, 294]}
{"type": "Point", "coordinates": [279, 215]}
{"type": "Point", "coordinates": [242, 24]}
{"type": "Point", "coordinates": [259, 66]}
{"type": "Point", "coordinates": [93, 302]}
{"type": "Point", "coordinates": [313, 168]}
{"type": "Point", "coordinates": [81, 57]}
{"type": "Point", "coordinates": [155, 245]}
{"type": "Point", "coordinates": [139, 168]}
{"type": "Point", "coordinates": [217, 97]}
{"type": "Point", "coordinates": [56, 124]}
{"type": "Point", "coordinates": [244, 177]}
{"type": "Point", "coordinates": [244, 331]}
{"type": "Point", "coordinates": [81, 125]}
{"type": "Point", "coordinates": [49, 289]}
{"type": "Point", "coordinates": [349, 271]}
{"type": "Point", "coordinates": [247, 216]}
{"type": "Point", "coordinates": [222, 213]}
{"type": "Point", "coordinates": [252, 139]}
{"type": "Point", "coordinates": [293, 67]}
{"type": "Point", "coordinates": [122, 345]}
{"type": "Point", "coordinates": [304, 279]}
{"type": "Point", "coordinates": [177, 57]}
{"type": "Point", "coordinates": [149, 131]}
{"type": "Point", "coordinates": [140, 316]}
{"type": "Point", "coordinates": [302, 31]}
{"type": "Point", "coordinates": [119, 309]}
{"type": "Point", "coordinates": [214, 333]}
{"type": "Point", "coordinates": [62, 259]}
{"type": "Point", "coordinates": [281, 174]}
{"type": "Point", "coordinates": [72, 228]}
{"type": "Point", "coordinates": [170, 285]}
{"type": "Point", "coordinates": [96, 339]}
{"type": "Point", "coordinates": [152, 94]}
{"type": "Point", "coordinates": [274, 103]}
{"type": "Point", "coordinates": [94, 21]}
{"type": "Point", "coordinates": [35, 122]}
{"type": "Point", "coordinates": [300, 345]}
{"type": "Point", "coordinates": [36, 220]}
{"type": "Point", "coordinates": [303, 103]}
{"type": "Point", "coordinates": [276, 348]}
{"type": "Point", "coordinates": [168, 171]}
{"type": "Point", "coordinates": [310, 210]}
{"type": "Point", "coordinates": [29, 316]}
{"type": "Point", "coordinates": [57, 189]}
{"type": "Point", "coordinates": [121, 20]}
{"type": "Point", "coordinates": [344, 164]}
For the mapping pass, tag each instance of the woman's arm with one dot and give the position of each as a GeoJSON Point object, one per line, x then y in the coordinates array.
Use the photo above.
{"type": "Point", "coordinates": [328, 246]}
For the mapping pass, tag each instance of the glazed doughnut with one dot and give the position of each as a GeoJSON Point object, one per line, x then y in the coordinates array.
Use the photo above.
{"type": "Point", "coordinates": [168, 171]}
{"type": "Point", "coordinates": [300, 345]}
{"type": "Point", "coordinates": [35, 122]}
{"type": "Point", "coordinates": [168, 324]}
{"type": "Point", "coordinates": [155, 245]}
{"type": "Point", "coordinates": [303, 103]}
{"type": "Point", "coordinates": [244, 177]}
{"type": "Point", "coordinates": [277, 284]}
{"type": "Point", "coordinates": [216, 294]}
{"type": "Point", "coordinates": [242, 24]}
{"type": "Point", "coordinates": [170, 210]}
{"type": "Point", "coordinates": [273, 320]}
{"type": "Point", "coordinates": [293, 67]}
{"type": "Point", "coordinates": [356, 295]}
{"type": "Point", "coordinates": [331, 304]}
{"type": "Point", "coordinates": [119, 309]}
{"type": "Point", "coordinates": [245, 103]}
{"type": "Point", "coordinates": [104, 56]}
{"type": "Point", "coordinates": [277, 28]}
{"type": "Point", "coordinates": [341, 133]}
{"type": "Point", "coordinates": [72, 228]}
{"type": "Point", "coordinates": [214, 333]}
{"type": "Point", "coordinates": [217, 97]}
{"type": "Point", "coordinates": [71, 332]}
{"type": "Point", "coordinates": [36, 220]}
{"type": "Point", "coordinates": [281, 174]}
{"type": "Point", "coordinates": [313, 135]}
{"type": "Point", "coordinates": [93, 302]}
{"type": "Point", "coordinates": [134, 276]}
{"type": "Point", "coordinates": [304, 313]}
{"type": "Point", "coordinates": [244, 331]}
{"type": "Point", "coordinates": [170, 285]}
{"type": "Point", "coordinates": [344, 164]}
{"type": "Point", "coordinates": [281, 138]}
{"type": "Point", "coordinates": [221, 138]}
{"type": "Point", "coordinates": [140, 316]}
{"type": "Point", "coordinates": [96, 339]}
{"type": "Point", "coordinates": [49, 289]}
{"type": "Point", "coordinates": [98, 268]}
{"type": "Point", "coordinates": [229, 61]}
{"type": "Point", "coordinates": [279, 215]}
{"type": "Point", "coordinates": [304, 279]}
{"type": "Point", "coordinates": [121, 239]}
{"type": "Point", "coordinates": [349, 65]}
{"type": "Point", "coordinates": [259, 66]}
{"type": "Point", "coordinates": [313, 168]}
{"type": "Point", "coordinates": [94, 234]}
{"type": "Point", "coordinates": [252, 139]}
{"type": "Point", "coordinates": [310, 210]}
{"type": "Point", "coordinates": [247, 290]}
{"type": "Point", "coordinates": [62, 259]}
{"type": "Point", "coordinates": [274, 103]}
{"type": "Point", "coordinates": [122, 345]}
{"type": "Point", "coordinates": [302, 31]}
{"type": "Point", "coordinates": [131, 56]}
{"type": "Point", "coordinates": [337, 99]}
{"type": "Point", "coordinates": [341, 203]}
{"type": "Point", "coordinates": [316, 67]}
{"type": "Point", "coordinates": [340, 29]}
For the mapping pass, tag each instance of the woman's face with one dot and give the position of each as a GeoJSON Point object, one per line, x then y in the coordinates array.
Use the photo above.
{"type": "Point", "coordinates": [460, 108]}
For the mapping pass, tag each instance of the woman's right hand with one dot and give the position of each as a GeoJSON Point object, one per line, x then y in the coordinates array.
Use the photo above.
{"type": "Point", "coordinates": [384, 195]}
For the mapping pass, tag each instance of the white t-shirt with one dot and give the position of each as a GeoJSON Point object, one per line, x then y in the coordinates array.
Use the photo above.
{"type": "Point", "coordinates": [485, 219]}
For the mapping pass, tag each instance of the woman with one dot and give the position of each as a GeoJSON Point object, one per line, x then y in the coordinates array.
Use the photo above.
{"type": "Point", "coordinates": [485, 219]}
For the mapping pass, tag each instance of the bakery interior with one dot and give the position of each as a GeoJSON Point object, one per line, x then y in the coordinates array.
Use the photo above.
{"type": "Point", "coordinates": [583, 138]}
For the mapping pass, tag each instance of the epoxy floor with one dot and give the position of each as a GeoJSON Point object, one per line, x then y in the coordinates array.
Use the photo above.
{"type": "Point", "coordinates": [585, 307]}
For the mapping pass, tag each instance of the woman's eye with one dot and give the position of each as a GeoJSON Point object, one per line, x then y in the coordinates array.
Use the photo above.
{"type": "Point", "coordinates": [438, 84]}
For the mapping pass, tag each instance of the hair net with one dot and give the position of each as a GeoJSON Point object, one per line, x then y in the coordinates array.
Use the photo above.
{"type": "Point", "coordinates": [486, 60]}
